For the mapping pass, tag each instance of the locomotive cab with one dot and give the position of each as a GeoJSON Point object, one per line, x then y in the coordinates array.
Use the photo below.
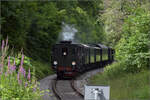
{"type": "Point", "coordinates": [64, 60]}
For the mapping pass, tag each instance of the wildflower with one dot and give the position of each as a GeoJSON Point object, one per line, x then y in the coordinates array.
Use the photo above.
{"type": "Point", "coordinates": [22, 59]}
{"type": "Point", "coordinates": [3, 54]}
{"type": "Point", "coordinates": [18, 78]}
{"type": "Point", "coordinates": [24, 73]}
{"type": "Point", "coordinates": [3, 44]}
{"type": "Point", "coordinates": [8, 65]}
{"type": "Point", "coordinates": [22, 70]}
{"type": "Point", "coordinates": [13, 68]}
{"type": "Point", "coordinates": [26, 84]}
{"type": "Point", "coordinates": [14, 61]}
{"type": "Point", "coordinates": [29, 75]}
{"type": "Point", "coordinates": [34, 89]}
{"type": "Point", "coordinates": [5, 73]}
{"type": "Point", "coordinates": [9, 61]}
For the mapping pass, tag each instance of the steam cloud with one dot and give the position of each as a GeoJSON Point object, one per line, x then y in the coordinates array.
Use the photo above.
{"type": "Point", "coordinates": [68, 32]}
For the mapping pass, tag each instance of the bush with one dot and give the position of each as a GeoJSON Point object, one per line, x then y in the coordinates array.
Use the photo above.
{"type": "Point", "coordinates": [133, 48]}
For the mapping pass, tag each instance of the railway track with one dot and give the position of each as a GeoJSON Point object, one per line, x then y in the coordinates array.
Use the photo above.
{"type": "Point", "coordinates": [66, 90]}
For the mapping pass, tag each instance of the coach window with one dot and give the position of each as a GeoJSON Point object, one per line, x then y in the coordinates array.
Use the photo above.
{"type": "Point", "coordinates": [92, 56]}
{"type": "Point", "coordinates": [97, 55]}
{"type": "Point", "coordinates": [64, 51]}
{"type": "Point", "coordinates": [87, 56]}
{"type": "Point", "coordinates": [105, 55]}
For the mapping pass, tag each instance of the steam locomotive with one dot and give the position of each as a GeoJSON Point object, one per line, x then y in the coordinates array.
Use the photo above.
{"type": "Point", "coordinates": [70, 59]}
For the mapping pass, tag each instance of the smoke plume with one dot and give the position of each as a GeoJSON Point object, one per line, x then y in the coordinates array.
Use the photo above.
{"type": "Point", "coordinates": [68, 32]}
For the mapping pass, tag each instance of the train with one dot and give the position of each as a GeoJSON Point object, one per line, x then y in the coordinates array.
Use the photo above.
{"type": "Point", "coordinates": [72, 59]}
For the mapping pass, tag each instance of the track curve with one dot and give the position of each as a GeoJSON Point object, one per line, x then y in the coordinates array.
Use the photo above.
{"type": "Point", "coordinates": [65, 90]}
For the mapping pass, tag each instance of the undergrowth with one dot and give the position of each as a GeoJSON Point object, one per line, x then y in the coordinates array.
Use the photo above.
{"type": "Point", "coordinates": [42, 69]}
{"type": "Point", "coordinates": [126, 86]}
{"type": "Point", "coordinates": [17, 77]}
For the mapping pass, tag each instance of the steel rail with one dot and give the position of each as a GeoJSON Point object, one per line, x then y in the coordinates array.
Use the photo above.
{"type": "Point", "coordinates": [75, 89]}
{"type": "Point", "coordinates": [59, 95]}
{"type": "Point", "coordinates": [54, 83]}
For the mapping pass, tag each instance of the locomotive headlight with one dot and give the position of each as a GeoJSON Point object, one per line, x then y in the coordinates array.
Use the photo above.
{"type": "Point", "coordinates": [55, 63]}
{"type": "Point", "coordinates": [73, 63]}
{"type": "Point", "coordinates": [64, 53]}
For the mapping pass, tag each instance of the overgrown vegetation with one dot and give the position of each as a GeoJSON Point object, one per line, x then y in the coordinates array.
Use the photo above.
{"type": "Point", "coordinates": [42, 69]}
{"type": "Point", "coordinates": [132, 51]}
{"type": "Point", "coordinates": [126, 86]}
{"type": "Point", "coordinates": [17, 82]}
{"type": "Point", "coordinates": [128, 31]}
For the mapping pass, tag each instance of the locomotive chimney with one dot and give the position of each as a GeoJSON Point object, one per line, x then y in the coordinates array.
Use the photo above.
{"type": "Point", "coordinates": [66, 42]}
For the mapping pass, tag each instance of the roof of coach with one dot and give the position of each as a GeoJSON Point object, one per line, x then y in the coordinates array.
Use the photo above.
{"type": "Point", "coordinates": [89, 46]}
{"type": "Point", "coordinates": [102, 46]}
{"type": "Point", "coordinates": [84, 45]}
{"type": "Point", "coordinates": [95, 46]}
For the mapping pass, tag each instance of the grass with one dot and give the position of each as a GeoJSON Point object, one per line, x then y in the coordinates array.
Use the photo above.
{"type": "Point", "coordinates": [127, 86]}
{"type": "Point", "coordinates": [42, 69]}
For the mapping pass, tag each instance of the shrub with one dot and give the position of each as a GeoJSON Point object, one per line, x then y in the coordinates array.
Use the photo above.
{"type": "Point", "coordinates": [133, 48]}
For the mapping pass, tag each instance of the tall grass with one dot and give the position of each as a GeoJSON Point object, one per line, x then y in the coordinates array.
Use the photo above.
{"type": "Point", "coordinates": [16, 83]}
{"type": "Point", "coordinates": [125, 86]}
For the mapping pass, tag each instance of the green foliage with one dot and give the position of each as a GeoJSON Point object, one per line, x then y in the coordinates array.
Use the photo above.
{"type": "Point", "coordinates": [35, 26]}
{"type": "Point", "coordinates": [18, 83]}
{"type": "Point", "coordinates": [42, 69]}
{"type": "Point", "coordinates": [17, 59]}
{"type": "Point", "coordinates": [15, 21]}
{"type": "Point", "coordinates": [133, 48]}
{"type": "Point", "coordinates": [37, 68]}
{"type": "Point", "coordinates": [11, 89]}
{"type": "Point", "coordinates": [115, 15]}
{"type": "Point", "coordinates": [114, 70]}
{"type": "Point", "coordinates": [125, 86]}
{"type": "Point", "coordinates": [44, 31]}
{"type": "Point", "coordinates": [127, 23]}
